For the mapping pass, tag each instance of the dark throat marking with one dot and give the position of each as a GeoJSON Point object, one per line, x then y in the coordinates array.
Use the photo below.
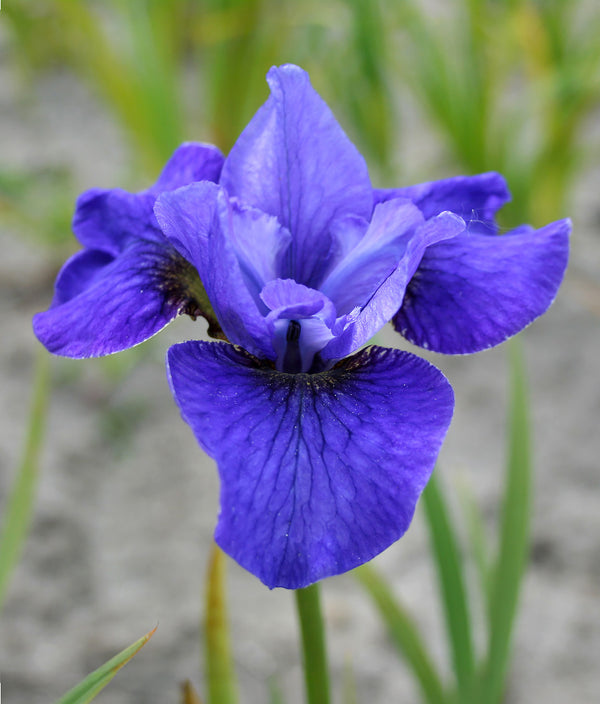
{"type": "Point", "coordinates": [292, 360]}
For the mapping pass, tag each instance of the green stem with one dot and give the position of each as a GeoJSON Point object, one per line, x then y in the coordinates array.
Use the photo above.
{"type": "Point", "coordinates": [220, 672]}
{"type": "Point", "coordinates": [313, 645]}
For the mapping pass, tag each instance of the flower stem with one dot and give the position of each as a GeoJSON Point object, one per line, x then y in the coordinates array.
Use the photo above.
{"type": "Point", "coordinates": [313, 645]}
{"type": "Point", "coordinates": [220, 672]}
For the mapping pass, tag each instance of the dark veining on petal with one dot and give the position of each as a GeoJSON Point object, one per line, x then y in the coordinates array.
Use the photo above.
{"type": "Point", "coordinates": [182, 288]}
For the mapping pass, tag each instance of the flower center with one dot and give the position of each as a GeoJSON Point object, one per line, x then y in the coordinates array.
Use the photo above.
{"type": "Point", "coordinates": [301, 320]}
{"type": "Point", "coordinates": [292, 358]}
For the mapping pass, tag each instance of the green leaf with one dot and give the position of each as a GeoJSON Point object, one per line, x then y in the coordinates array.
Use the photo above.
{"type": "Point", "coordinates": [275, 695]}
{"type": "Point", "coordinates": [18, 511]}
{"type": "Point", "coordinates": [189, 694]}
{"type": "Point", "coordinates": [349, 694]}
{"type": "Point", "coordinates": [88, 688]}
{"type": "Point", "coordinates": [404, 634]}
{"type": "Point", "coordinates": [510, 565]}
{"type": "Point", "coordinates": [220, 673]}
{"type": "Point", "coordinates": [449, 568]}
{"type": "Point", "coordinates": [480, 549]}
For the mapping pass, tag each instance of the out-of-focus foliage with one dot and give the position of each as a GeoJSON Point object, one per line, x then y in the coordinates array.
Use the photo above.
{"type": "Point", "coordinates": [18, 510]}
{"type": "Point", "coordinates": [508, 86]}
{"type": "Point", "coordinates": [478, 674]}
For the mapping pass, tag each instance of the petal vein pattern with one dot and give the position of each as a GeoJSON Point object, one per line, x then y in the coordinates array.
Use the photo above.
{"type": "Point", "coordinates": [319, 472]}
{"type": "Point", "coordinates": [128, 282]}
{"type": "Point", "coordinates": [474, 291]}
{"type": "Point", "coordinates": [295, 162]}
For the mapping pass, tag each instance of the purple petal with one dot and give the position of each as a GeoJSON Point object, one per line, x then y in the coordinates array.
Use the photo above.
{"type": "Point", "coordinates": [190, 162]}
{"type": "Point", "coordinates": [356, 278]}
{"type": "Point", "coordinates": [295, 162]}
{"type": "Point", "coordinates": [109, 219]}
{"type": "Point", "coordinates": [475, 198]}
{"type": "Point", "coordinates": [259, 242]}
{"type": "Point", "coordinates": [319, 472]}
{"type": "Point", "coordinates": [475, 291]}
{"type": "Point", "coordinates": [293, 300]}
{"type": "Point", "coordinates": [121, 304]}
{"type": "Point", "coordinates": [379, 310]}
{"type": "Point", "coordinates": [77, 274]}
{"type": "Point", "coordinates": [300, 321]}
{"type": "Point", "coordinates": [201, 223]}
{"type": "Point", "coordinates": [186, 217]}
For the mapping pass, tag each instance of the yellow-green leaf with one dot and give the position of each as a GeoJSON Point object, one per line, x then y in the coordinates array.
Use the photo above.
{"type": "Point", "coordinates": [88, 688]}
{"type": "Point", "coordinates": [17, 513]}
{"type": "Point", "coordinates": [189, 694]}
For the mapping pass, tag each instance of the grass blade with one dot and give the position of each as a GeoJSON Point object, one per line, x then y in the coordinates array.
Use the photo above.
{"type": "Point", "coordinates": [18, 511]}
{"type": "Point", "coordinates": [275, 695]}
{"type": "Point", "coordinates": [88, 688]}
{"type": "Point", "coordinates": [189, 694]}
{"type": "Point", "coordinates": [479, 544]}
{"type": "Point", "coordinates": [448, 564]}
{"type": "Point", "coordinates": [514, 537]}
{"type": "Point", "coordinates": [349, 693]}
{"type": "Point", "coordinates": [220, 673]}
{"type": "Point", "coordinates": [404, 634]}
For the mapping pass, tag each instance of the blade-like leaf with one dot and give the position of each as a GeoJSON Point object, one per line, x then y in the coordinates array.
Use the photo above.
{"type": "Point", "coordinates": [514, 537]}
{"type": "Point", "coordinates": [17, 513]}
{"type": "Point", "coordinates": [275, 695]}
{"type": "Point", "coordinates": [449, 568]}
{"type": "Point", "coordinates": [349, 694]}
{"type": "Point", "coordinates": [189, 694]}
{"type": "Point", "coordinates": [220, 673]}
{"type": "Point", "coordinates": [480, 549]}
{"type": "Point", "coordinates": [404, 634]}
{"type": "Point", "coordinates": [88, 688]}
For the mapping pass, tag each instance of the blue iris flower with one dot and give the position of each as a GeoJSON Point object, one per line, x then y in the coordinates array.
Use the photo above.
{"type": "Point", "coordinates": [323, 448]}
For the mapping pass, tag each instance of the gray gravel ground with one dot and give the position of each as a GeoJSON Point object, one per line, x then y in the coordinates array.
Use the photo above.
{"type": "Point", "coordinates": [121, 535]}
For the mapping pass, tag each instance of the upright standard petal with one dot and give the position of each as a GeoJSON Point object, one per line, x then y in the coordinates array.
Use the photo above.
{"type": "Point", "coordinates": [295, 162]}
{"type": "Point", "coordinates": [475, 291]}
{"type": "Point", "coordinates": [104, 305]}
{"type": "Point", "coordinates": [476, 199]}
{"type": "Point", "coordinates": [319, 472]}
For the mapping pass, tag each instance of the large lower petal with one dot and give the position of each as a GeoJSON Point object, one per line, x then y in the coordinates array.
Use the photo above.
{"type": "Point", "coordinates": [77, 274]}
{"type": "Point", "coordinates": [475, 291]}
{"type": "Point", "coordinates": [108, 219]}
{"type": "Point", "coordinates": [105, 305]}
{"type": "Point", "coordinates": [319, 472]}
{"type": "Point", "coordinates": [475, 198]}
{"type": "Point", "coordinates": [295, 162]}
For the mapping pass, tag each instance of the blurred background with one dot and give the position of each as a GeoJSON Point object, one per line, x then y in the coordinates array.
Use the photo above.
{"type": "Point", "coordinates": [99, 93]}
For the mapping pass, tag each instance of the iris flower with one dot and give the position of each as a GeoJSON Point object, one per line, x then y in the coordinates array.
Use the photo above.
{"type": "Point", "coordinates": [323, 446]}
